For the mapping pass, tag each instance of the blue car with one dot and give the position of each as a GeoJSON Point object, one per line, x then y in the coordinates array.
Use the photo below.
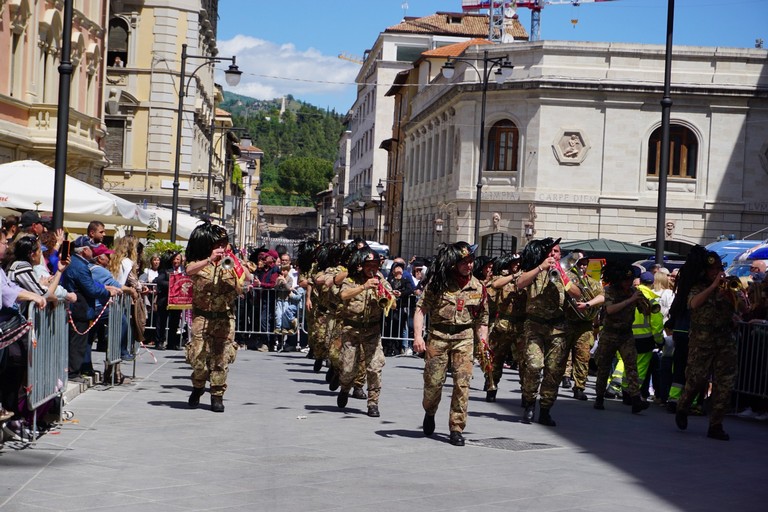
{"type": "Point", "coordinates": [729, 250]}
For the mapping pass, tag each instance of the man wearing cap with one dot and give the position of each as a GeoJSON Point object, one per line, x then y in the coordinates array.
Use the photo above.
{"type": "Point", "coordinates": [457, 303]}
{"type": "Point", "coordinates": [548, 289]}
{"type": "Point", "coordinates": [507, 329]}
{"type": "Point", "coordinates": [77, 278]}
{"type": "Point", "coordinates": [580, 336]}
{"type": "Point", "coordinates": [648, 331]}
{"type": "Point", "coordinates": [267, 273]}
{"type": "Point", "coordinates": [30, 224]}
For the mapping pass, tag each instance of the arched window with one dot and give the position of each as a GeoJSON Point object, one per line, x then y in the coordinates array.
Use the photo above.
{"type": "Point", "coordinates": [117, 56]}
{"type": "Point", "coordinates": [683, 151]}
{"type": "Point", "coordinates": [503, 146]}
{"type": "Point", "coordinates": [498, 244]}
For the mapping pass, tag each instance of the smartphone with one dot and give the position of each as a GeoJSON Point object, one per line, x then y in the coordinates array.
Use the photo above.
{"type": "Point", "coordinates": [65, 251]}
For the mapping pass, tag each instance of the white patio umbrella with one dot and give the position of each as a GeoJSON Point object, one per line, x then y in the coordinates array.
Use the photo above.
{"type": "Point", "coordinates": [28, 185]}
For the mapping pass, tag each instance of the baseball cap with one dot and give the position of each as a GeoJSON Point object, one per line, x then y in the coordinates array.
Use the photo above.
{"type": "Point", "coordinates": [273, 254]}
{"type": "Point", "coordinates": [646, 277]}
{"type": "Point", "coordinates": [29, 218]}
{"type": "Point", "coordinates": [102, 249]}
{"type": "Point", "coordinates": [84, 241]}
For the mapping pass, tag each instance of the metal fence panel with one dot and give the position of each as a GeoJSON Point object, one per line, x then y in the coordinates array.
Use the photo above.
{"type": "Point", "coordinates": [48, 353]}
{"type": "Point", "coordinates": [753, 360]}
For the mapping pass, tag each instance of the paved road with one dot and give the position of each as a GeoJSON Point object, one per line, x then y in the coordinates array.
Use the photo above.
{"type": "Point", "coordinates": [282, 445]}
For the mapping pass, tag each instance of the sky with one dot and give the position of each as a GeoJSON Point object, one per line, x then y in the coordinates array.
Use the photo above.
{"type": "Point", "coordinates": [292, 47]}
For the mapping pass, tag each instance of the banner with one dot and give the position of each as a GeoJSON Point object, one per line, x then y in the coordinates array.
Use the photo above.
{"type": "Point", "coordinates": [179, 291]}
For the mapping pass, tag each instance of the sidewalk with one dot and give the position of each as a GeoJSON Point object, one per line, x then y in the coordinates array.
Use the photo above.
{"type": "Point", "coordinates": [282, 445]}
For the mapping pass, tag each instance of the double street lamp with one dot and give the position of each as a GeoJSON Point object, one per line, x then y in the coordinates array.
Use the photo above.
{"type": "Point", "coordinates": [232, 76]}
{"type": "Point", "coordinates": [503, 71]}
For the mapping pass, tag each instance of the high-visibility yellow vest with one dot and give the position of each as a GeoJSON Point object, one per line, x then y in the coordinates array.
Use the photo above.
{"type": "Point", "coordinates": [645, 326]}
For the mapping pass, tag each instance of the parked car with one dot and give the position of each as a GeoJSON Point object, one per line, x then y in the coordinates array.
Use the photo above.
{"type": "Point", "coordinates": [729, 250]}
{"type": "Point", "coordinates": [668, 264]}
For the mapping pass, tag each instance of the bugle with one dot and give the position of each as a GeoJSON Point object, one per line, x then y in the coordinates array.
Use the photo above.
{"type": "Point", "coordinates": [227, 262]}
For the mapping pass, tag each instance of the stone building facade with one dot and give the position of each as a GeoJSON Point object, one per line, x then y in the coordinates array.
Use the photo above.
{"type": "Point", "coordinates": [573, 142]}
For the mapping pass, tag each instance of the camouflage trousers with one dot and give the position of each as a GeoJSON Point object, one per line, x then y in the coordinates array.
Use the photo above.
{"type": "Point", "coordinates": [318, 333]}
{"type": "Point", "coordinates": [210, 352]}
{"type": "Point", "coordinates": [545, 349]}
{"type": "Point", "coordinates": [506, 336]}
{"type": "Point", "coordinates": [581, 340]}
{"type": "Point", "coordinates": [711, 354]}
{"type": "Point", "coordinates": [439, 353]}
{"type": "Point", "coordinates": [610, 343]}
{"type": "Point", "coordinates": [334, 351]}
{"type": "Point", "coordinates": [366, 344]}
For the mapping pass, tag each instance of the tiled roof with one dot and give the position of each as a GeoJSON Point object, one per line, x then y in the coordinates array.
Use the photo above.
{"type": "Point", "coordinates": [222, 112]}
{"type": "Point", "coordinates": [250, 149]}
{"type": "Point", "coordinates": [456, 49]}
{"type": "Point", "coordinates": [287, 210]}
{"type": "Point", "coordinates": [453, 24]}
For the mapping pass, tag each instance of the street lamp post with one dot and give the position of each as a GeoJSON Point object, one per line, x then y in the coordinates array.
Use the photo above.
{"type": "Point", "coordinates": [62, 121]}
{"type": "Point", "coordinates": [503, 71]}
{"type": "Point", "coordinates": [232, 76]}
{"type": "Point", "coordinates": [361, 204]}
{"type": "Point", "coordinates": [666, 107]}
{"type": "Point", "coordinates": [380, 191]}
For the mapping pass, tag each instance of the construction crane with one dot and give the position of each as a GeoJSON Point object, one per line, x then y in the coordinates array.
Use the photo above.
{"type": "Point", "coordinates": [501, 10]}
{"type": "Point", "coordinates": [351, 58]}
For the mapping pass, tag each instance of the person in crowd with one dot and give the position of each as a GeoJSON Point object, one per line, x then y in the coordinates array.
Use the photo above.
{"type": "Point", "coordinates": [506, 333]}
{"type": "Point", "coordinates": [663, 290]}
{"type": "Point", "coordinates": [548, 287]}
{"type": "Point", "coordinates": [305, 262]}
{"type": "Point", "coordinates": [663, 357]}
{"type": "Point", "coordinates": [457, 303]}
{"type": "Point", "coordinates": [11, 226]}
{"type": "Point", "coordinates": [397, 320]}
{"type": "Point", "coordinates": [648, 331]}
{"type": "Point", "coordinates": [149, 294]}
{"type": "Point", "coordinates": [30, 224]}
{"type": "Point", "coordinates": [621, 300]}
{"type": "Point", "coordinates": [286, 298]}
{"type": "Point", "coordinates": [78, 279]}
{"type": "Point", "coordinates": [580, 337]}
{"type": "Point", "coordinates": [267, 273]}
{"type": "Point", "coordinates": [123, 265]}
{"type": "Point", "coordinates": [483, 269]}
{"type": "Point", "coordinates": [13, 356]}
{"type": "Point", "coordinates": [27, 254]}
{"type": "Point", "coordinates": [50, 242]}
{"type": "Point", "coordinates": [362, 295]}
{"type": "Point", "coordinates": [712, 349]}
{"type": "Point", "coordinates": [212, 347]}
{"type": "Point", "coordinates": [167, 319]}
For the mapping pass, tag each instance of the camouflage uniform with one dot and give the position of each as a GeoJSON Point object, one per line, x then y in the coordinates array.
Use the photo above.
{"type": "Point", "coordinates": [580, 337]}
{"type": "Point", "coordinates": [617, 336]}
{"type": "Point", "coordinates": [319, 317]}
{"type": "Point", "coordinates": [545, 346]}
{"type": "Point", "coordinates": [213, 346]}
{"type": "Point", "coordinates": [453, 319]}
{"type": "Point", "coordinates": [712, 351]}
{"type": "Point", "coordinates": [506, 332]}
{"type": "Point", "coordinates": [361, 318]}
{"type": "Point", "coordinates": [335, 329]}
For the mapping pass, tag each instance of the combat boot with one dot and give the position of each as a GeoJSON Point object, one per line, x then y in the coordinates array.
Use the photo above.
{"type": "Point", "coordinates": [333, 385]}
{"type": "Point", "coordinates": [373, 411]}
{"type": "Point", "coordinates": [217, 403]}
{"type": "Point", "coordinates": [638, 404]}
{"type": "Point", "coordinates": [599, 403]}
{"type": "Point", "coordinates": [343, 398]}
{"type": "Point", "coordinates": [359, 394]}
{"type": "Point", "coordinates": [490, 395]}
{"type": "Point", "coordinates": [626, 399]}
{"type": "Point", "coordinates": [456, 438]}
{"type": "Point", "coordinates": [578, 394]}
{"type": "Point", "coordinates": [428, 424]}
{"type": "Point", "coordinates": [566, 384]}
{"type": "Point", "coordinates": [545, 418]}
{"type": "Point", "coordinates": [318, 365]}
{"type": "Point", "coordinates": [681, 420]}
{"type": "Point", "coordinates": [717, 432]}
{"type": "Point", "coordinates": [194, 398]}
{"type": "Point", "coordinates": [529, 413]}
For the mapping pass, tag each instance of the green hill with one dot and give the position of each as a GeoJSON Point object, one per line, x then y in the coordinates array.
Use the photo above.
{"type": "Point", "coordinates": [299, 147]}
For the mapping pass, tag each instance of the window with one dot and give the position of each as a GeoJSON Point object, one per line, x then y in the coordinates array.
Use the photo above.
{"type": "Point", "coordinates": [683, 150]}
{"type": "Point", "coordinates": [498, 244]}
{"type": "Point", "coordinates": [503, 146]}
{"type": "Point", "coordinates": [118, 43]}
{"type": "Point", "coordinates": [114, 141]}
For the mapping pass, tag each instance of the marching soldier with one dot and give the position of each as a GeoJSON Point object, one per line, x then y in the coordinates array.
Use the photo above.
{"type": "Point", "coordinates": [507, 327]}
{"type": "Point", "coordinates": [215, 290]}
{"type": "Point", "coordinates": [458, 307]}
{"type": "Point", "coordinates": [365, 298]}
{"type": "Point", "coordinates": [548, 288]}
{"type": "Point", "coordinates": [580, 336]}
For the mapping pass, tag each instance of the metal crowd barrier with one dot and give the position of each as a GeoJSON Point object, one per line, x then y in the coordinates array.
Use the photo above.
{"type": "Point", "coordinates": [119, 324]}
{"type": "Point", "coordinates": [47, 356]}
{"type": "Point", "coordinates": [752, 378]}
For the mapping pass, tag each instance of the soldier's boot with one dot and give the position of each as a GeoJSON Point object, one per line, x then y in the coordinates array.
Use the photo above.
{"type": "Point", "coordinates": [318, 365]}
{"type": "Point", "coordinates": [599, 403]}
{"type": "Point", "coordinates": [456, 438]}
{"type": "Point", "coordinates": [625, 398]}
{"type": "Point", "coordinates": [490, 395]}
{"type": "Point", "coordinates": [529, 413]}
{"type": "Point", "coordinates": [373, 411]}
{"type": "Point", "coordinates": [334, 384]}
{"type": "Point", "coordinates": [329, 375]}
{"type": "Point", "coordinates": [638, 404]}
{"type": "Point", "coordinates": [717, 432]}
{"type": "Point", "coordinates": [681, 420]}
{"type": "Point", "coordinates": [428, 424]}
{"type": "Point", "coordinates": [545, 418]}
{"type": "Point", "coordinates": [578, 394]}
{"type": "Point", "coordinates": [194, 398]}
{"type": "Point", "coordinates": [359, 394]}
{"type": "Point", "coordinates": [217, 403]}
{"type": "Point", "coordinates": [343, 398]}
{"type": "Point", "coordinates": [566, 384]}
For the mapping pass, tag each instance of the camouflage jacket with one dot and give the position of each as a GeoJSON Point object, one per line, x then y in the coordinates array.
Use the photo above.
{"type": "Point", "coordinates": [365, 307]}
{"type": "Point", "coordinates": [456, 310]}
{"type": "Point", "coordinates": [545, 299]}
{"type": "Point", "coordinates": [620, 322]}
{"type": "Point", "coordinates": [507, 302]}
{"type": "Point", "coordinates": [593, 289]}
{"type": "Point", "coordinates": [716, 314]}
{"type": "Point", "coordinates": [214, 289]}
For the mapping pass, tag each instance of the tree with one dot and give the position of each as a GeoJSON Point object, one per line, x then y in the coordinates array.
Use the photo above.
{"type": "Point", "coordinates": [304, 176]}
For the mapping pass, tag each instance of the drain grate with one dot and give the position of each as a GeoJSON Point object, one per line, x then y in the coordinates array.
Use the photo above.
{"type": "Point", "coordinates": [506, 443]}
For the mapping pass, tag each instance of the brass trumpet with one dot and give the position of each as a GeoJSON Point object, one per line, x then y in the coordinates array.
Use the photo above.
{"type": "Point", "coordinates": [587, 293]}
{"type": "Point", "coordinates": [227, 262]}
